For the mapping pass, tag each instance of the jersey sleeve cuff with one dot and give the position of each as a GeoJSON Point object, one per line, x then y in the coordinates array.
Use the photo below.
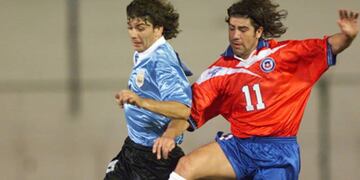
{"type": "Point", "coordinates": [331, 57]}
{"type": "Point", "coordinates": [192, 123]}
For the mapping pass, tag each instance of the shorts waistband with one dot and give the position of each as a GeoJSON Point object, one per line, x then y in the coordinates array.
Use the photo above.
{"type": "Point", "coordinates": [129, 142]}
{"type": "Point", "coordinates": [259, 139]}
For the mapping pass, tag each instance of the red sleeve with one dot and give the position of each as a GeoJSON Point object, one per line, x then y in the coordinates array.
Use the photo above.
{"type": "Point", "coordinates": [206, 100]}
{"type": "Point", "coordinates": [308, 59]}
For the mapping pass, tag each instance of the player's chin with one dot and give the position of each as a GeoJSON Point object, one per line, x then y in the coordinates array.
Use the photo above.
{"type": "Point", "coordinates": [238, 52]}
{"type": "Point", "coordinates": [138, 48]}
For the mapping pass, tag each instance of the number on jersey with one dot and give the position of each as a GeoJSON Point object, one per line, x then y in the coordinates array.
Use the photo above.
{"type": "Point", "coordinates": [249, 105]}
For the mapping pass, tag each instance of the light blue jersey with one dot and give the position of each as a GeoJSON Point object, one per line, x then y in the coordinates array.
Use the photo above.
{"type": "Point", "coordinates": [157, 74]}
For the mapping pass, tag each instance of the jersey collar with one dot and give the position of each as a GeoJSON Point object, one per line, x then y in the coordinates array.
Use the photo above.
{"type": "Point", "coordinates": [229, 53]}
{"type": "Point", "coordinates": [138, 57]}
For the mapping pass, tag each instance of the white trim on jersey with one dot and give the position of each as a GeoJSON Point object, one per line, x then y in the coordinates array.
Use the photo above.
{"type": "Point", "coordinates": [257, 57]}
{"type": "Point", "coordinates": [143, 55]}
{"type": "Point", "coordinates": [222, 71]}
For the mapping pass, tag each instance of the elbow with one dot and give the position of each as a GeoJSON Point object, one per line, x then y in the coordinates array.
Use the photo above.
{"type": "Point", "coordinates": [185, 114]}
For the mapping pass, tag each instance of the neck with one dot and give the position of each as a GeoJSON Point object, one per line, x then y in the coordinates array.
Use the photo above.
{"type": "Point", "coordinates": [248, 53]}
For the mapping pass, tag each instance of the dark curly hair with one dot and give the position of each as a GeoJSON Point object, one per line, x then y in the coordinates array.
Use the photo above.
{"type": "Point", "coordinates": [160, 13]}
{"type": "Point", "coordinates": [262, 13]}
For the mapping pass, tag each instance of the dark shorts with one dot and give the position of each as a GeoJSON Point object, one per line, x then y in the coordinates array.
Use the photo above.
{"type": "Point", "coordinates": [262, 158]}
{"type": "Point", "coordinates": [137, 162]}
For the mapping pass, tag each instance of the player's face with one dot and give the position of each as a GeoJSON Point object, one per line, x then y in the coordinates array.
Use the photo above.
{"type": "Point", "coordinates": [143, 34]}
{"type": "Point", "coordinates": [242, 36]}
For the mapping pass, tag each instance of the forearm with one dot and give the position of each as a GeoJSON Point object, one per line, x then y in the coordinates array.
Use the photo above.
{"type": "Point", "coordinates": [339, 42]}
{"type": "Point", "coordinates": [176, 127]}
{"type": "Point", "coordinates": [166, 143]}
{"type": "Point", "coordinates": [348, 31]}
{"type": "Point", "coordinates": [170, 109]}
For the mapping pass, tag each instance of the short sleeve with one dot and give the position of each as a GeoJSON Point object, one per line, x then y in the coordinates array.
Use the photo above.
{"type": "Point", "coordinates": [172, 82]}
{"type": "Point", "coordinates": [206, 98]}
{"type": "Point", "coordinates": [308, 59]}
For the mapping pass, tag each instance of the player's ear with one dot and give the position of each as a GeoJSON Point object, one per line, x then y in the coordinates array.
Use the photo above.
{"type": "Point", "coordinates": [259, 32]}
{"type": "Point", "coordinates": [159, 31]}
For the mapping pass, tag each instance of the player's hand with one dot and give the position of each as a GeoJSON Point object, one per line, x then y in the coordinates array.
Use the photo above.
{"type": "Point", "coordinates": [163, 146]}
{"type": "Point", "coordinates": [127, 96]}
{"type": "Point", "coordinates": [348, 23]}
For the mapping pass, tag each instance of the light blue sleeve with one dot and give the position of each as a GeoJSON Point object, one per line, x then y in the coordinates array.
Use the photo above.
{"type": "Point", "coordinates": [172, 82]}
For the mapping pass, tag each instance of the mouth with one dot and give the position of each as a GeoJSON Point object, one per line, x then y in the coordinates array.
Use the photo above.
{"type": "Point", "coordinates": [136, 44]}
{"type": "Point", "coordinates": [236, 45]}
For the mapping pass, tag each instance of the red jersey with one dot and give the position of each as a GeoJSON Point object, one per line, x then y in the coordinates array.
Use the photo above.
{"type": "Point", "coordinates": [266, 94]}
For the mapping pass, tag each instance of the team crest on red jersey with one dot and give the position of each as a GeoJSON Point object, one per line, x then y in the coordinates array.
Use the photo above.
{"type": "Point", "coordinates": [267, 65]}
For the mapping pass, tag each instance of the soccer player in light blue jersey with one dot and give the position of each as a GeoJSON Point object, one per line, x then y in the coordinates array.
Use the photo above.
{"type": "Point", "coordinates": [158, 84]}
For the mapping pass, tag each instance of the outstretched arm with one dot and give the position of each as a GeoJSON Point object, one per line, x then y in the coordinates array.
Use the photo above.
{"type": "Point", "coordinates": [349, 28]}
{"type": "Point", "coordinates": [166, 143]}
{"type": "Point", "coordinates": [170, 109]}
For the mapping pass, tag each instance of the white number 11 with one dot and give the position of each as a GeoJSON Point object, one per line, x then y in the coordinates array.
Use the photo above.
{"type": "Point", "coordinates": [260, 104]}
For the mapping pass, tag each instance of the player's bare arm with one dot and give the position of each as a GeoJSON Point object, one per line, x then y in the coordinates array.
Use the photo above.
{"type": "Point", "coordinates": [163, 145]}
{"type": "Point", "coordinates": [349, 28]}
{"type": "Point", "coordinates": [170, 109]}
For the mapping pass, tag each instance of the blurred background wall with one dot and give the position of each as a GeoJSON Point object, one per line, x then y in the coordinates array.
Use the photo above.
{"type": "Point", "coordinates": [62, 61]}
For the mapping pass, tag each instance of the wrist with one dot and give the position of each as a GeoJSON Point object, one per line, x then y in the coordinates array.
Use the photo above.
{"type": "Point", "coordinates": [350, 37]}
{"type": "Point", "coordinates": [170, 133]}
{"type": "Point", "coordinates": [143, 103]}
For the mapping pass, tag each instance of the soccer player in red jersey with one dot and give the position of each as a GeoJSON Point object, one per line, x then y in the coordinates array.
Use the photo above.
{"type": "Point", "coordinates": [261, 87]}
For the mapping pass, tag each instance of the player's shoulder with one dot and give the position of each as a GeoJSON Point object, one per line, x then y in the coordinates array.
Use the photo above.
{"type": "Point", "coordinates": [274, 43]}
{"type": "Point", "coordinates": [225, 61]}
{"type": "Point", "coordinates": [295, 42]}
{"type": "Point", "coordinates": [164, 54]}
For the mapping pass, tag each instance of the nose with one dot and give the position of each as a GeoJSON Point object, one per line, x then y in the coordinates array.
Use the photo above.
{"type": "Point", "coordinates": [132, 33]}
{"type": "Point", "coordinates": [237, 34]}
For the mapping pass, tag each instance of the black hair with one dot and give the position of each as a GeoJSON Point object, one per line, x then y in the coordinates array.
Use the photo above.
{"type": "Point", "coordinates": [160, 13]}
{"type": "Point", "coordinates": [262, 13]}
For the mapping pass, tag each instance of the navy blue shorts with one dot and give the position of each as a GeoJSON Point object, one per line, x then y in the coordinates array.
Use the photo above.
{"type": "Point", "coordinates": [262, 158]}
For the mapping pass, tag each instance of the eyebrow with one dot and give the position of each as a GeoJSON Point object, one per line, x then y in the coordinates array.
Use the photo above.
{"type": "Point", "coordinates": [140, 24]}
{"type": "Point", "coordinates": [238, 27]}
